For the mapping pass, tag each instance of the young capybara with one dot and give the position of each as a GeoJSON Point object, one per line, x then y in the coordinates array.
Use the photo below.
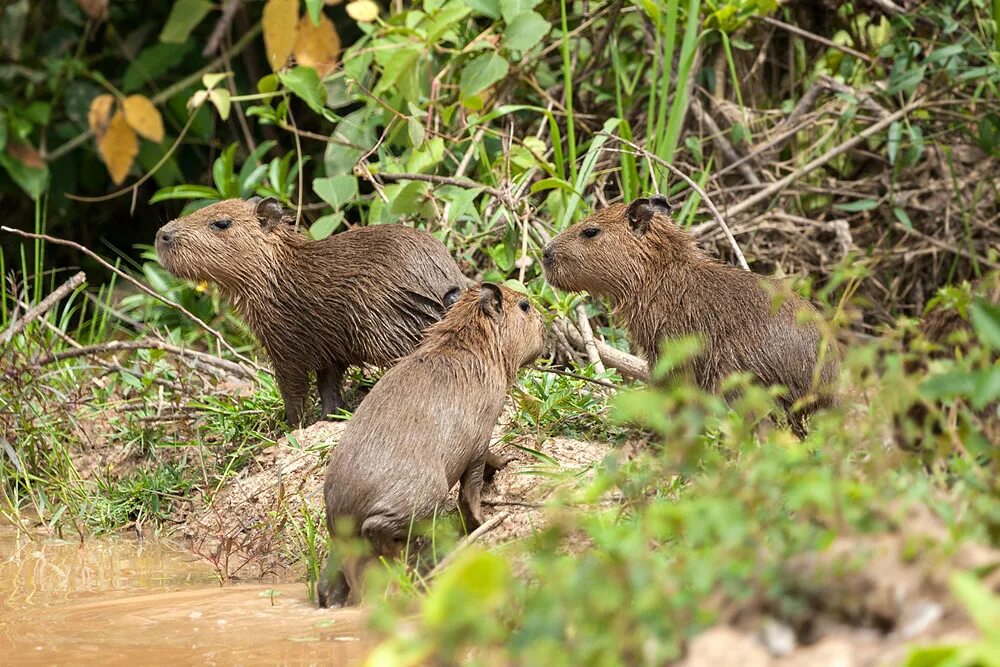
{"type": "Point", "coordinates": [425, 426]}
{"type": "Point", "coordinates": [662, 286]}
{"type": "Point", "coordinates": [360, 297]}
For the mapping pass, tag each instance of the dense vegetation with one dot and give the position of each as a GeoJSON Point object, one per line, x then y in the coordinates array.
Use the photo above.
{"type": "Point", "coordinates": [852, 145]}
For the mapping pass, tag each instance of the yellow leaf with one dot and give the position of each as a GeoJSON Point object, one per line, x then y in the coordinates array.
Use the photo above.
{"type": "Point", "coordinates": [280, 19]}
{"type": "Point", "coordinates": [317, 46]}
{"type": "Point", "coordinates": [142, 115]}
{"type": "Point", "coordinates": [362, 11]}
{"type": "Point", "coordinates": [118, 147]}
{"type": "Point", "coordinates": [99, 114]}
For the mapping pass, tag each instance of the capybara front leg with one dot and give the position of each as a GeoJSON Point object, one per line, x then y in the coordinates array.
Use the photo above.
{"type": "Point", "coordinates": [332, 588]}
{"type": "Point", "coordinates": [330, 381]}
{"type": "Point", "coordinates": [470, 495]}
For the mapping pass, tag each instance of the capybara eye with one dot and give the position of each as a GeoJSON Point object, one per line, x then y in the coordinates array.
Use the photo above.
{"type": "Point", "coordinates": [222, 224]}
{"type": "Point", "coordinates": [591, 232]}
{"type": "Point", "coordinates": [523, 305]}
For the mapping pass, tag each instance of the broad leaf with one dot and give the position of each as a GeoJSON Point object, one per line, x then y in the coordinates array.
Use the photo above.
{"type": "Point", "coordinates": [482, 72]}
{"type": "Point", "coordinates": [184, 17]}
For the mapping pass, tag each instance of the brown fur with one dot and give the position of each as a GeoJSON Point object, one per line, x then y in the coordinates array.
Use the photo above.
{"type": "Point", "coordinates": [662, 286]}
{"type": "Point", "coordinates": [426, 425]}
{"type": "Point", "coordinates": [360, 297]}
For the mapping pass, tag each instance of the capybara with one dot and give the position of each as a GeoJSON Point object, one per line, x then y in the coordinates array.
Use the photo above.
{"type": "Point", "coordinates": [662, 286]}
{"type": "Point", "coordinates": [425, 426]}
{"type": "Point", "coordinates": [363, 296]}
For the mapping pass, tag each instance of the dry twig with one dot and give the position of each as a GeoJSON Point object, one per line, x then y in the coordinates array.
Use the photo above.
{"type": "Point", "coordinates": [44, 306]}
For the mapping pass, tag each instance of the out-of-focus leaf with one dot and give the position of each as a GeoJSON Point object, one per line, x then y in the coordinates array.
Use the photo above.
{"type": "Point", "coordinates": [118, 147]}
{"type": "Point", "coordinates": [525, 31]}
{"type": "Point", "coordinates": [143, 117]}
{"type": "Point", "coordinates": [25, 167]}
{"type": "Point", "coordinates": [986, 322]}
{"type": "Point", "coordinates": [153, 62]}
{"type": "Point", "coordinates": [481, 72]}
{"type": "Point", "coordinates": [317, 46]}
{"type": "Point", "coordinates": [184, 192]}
{"type": "Point", "coordinates": [337, 191]}
{"type": "Point", "coordinates": [280, 20]}
{"type": "Point", "coordinates": [363, 11]}
{"type": "Point", "coordinates": [99, 114]}
{"type": "Point", "coordinates": [857, 205]}
{"type": "Point", "coordinates": [184, 17]}
{"type": "Point", "coordinates": [304, 83]}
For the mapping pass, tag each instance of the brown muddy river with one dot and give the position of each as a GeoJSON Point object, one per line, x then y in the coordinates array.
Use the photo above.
{"type": "Point", "coordinates": [114, 601]}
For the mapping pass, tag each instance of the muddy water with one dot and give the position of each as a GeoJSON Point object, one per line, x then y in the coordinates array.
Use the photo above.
{"type": "Point", "coordinates": [115, 602]}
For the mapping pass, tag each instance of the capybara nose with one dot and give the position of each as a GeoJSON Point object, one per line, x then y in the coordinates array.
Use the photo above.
{"type": "Point", "coordinates": [548, 254]}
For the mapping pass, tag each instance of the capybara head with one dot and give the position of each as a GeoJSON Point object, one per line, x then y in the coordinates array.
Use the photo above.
{"type": "Point", "coordinates": [495, 322]}
{"type": "Point", "coordinates": [609, 253]}
{"type": "Point", "coordinates": [228, 243]}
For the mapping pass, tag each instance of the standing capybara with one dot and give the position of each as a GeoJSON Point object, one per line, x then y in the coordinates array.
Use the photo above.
{"type": "Point", "coordinates": [425, 426]}
{"type": "Point", "coordinates": [360, 297]}
{"type": "Point", "coordinates": [663, 286]}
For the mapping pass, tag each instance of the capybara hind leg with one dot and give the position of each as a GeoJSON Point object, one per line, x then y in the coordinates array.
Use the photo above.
{"type": "Point", "coordinates": [470, 495]}
{"type": "Point", "coordinates": [330, 381]}
{"type": "Point", "coordinates": [294, 387]}
{"type": "Point", "coordinates": [332, 588]}
{"type": "Point", "coordinates": [495, 462]}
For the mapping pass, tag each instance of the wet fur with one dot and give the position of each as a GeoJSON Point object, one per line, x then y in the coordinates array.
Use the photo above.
{"type": "Point", "coordinates": [426, 426]}
{"type": "Point", "coordinates": [662, 286]}
{"type": "Point", "coordinates": [359, 297]}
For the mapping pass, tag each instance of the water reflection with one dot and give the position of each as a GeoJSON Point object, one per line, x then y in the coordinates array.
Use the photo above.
{"type": "Point", "coordinates": [115, 601]}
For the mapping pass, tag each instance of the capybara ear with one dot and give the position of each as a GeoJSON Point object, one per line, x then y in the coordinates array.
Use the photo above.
{"type": "Point", "coordinates": [490, 299]}
{"type": "Point", "coordinates": [660, 203]}
{"type": "Point", "coordinates": [640, 214]}
{"type": "Point", "coordinates": [269, 211]}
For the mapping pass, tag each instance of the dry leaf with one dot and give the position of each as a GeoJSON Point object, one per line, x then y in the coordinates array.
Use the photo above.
{"type": "Point", "coordinates": [142, 115]}
{"type": "Point", "coordinates": [118, 147]}
{"type": "Point", "coordinates": [99, 114]}
{"type": "Point", "coordinates": [331, 3]}
{"type": "Point", "coordinates": [362, 11]}
{"type": "Point", "coordinates": [26, 154]}
{"type": "Point", "coordinates": [317, 46]}
{"type": "Point", "coordinates": [280, 20]}
{"type": "Point", "coordinates": [95, 9]}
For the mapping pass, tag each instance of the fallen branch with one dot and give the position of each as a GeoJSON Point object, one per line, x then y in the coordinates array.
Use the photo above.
{"type": "Point", "coordinates": [499, 502]}
{"type": "Point", "coordinates": [625, 363]}
{"type": "Point", "coordinates": [588, 338]}
{"type": "Point", "coordinates": [44, 306]}
{"type": "Point", "coordinates": [795, 30]}
{"type": "Point", "coordinates": [143, 288]}
{"type": "Point", "coordinates": [148, 344]}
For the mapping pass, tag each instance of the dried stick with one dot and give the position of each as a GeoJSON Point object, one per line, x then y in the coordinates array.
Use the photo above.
{"type": "Point", "coordinates": [719, 139]}
{"type": "Point", "coordinates": [557, 371]}
{"type": "Point", "coordinates": [149, 344]}
{"type": "Point", "coordinates": [588, 338]}
{"type": "Point", "coordinates": [146, 290]}
{"type": "Point", "coordinates": [221, 27]}
{"type": "Point", "coordinates": [697, 188]}
{"type": "Point", "coordinates": [469, 539]}
{"type": "Point", "coordinates": [44, 306]}
{"type": "Point", "coordinates": [795, 30]}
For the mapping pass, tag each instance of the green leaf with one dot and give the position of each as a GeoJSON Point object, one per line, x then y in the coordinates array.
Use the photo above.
{"type": "Point", "coordinates": [511, 9]}
{"type": "Point", "coordinates": [895, 139]}
{"type": "Point", "coordinates": [326, 225]}
{"type": "Point", "coordinates": [395, 63]}
{"type": "Point", "coordinates": [304, 82]}
{"type": "Point", "coordinates": [473, 586]}
{"type": "Point", "coordinates": [903, 217]}
{"type": "Point", "coordinates": [185, 192]}
{"type": "Point", "coordinates": [3, 131]}
{"type": "Point", "coordinates": [488, 8]}
{"type": "Point", "coordinates": [446, 18]}
{"type": "Point", "coordinates": [987, 388]}
{"type": "Point", "coordinates": [221, 99]}
{"type": "Point", "coordinates": [482, 72]}
{"type": "Point", "coordinates": [986, 322]}
{"type": "Point", "coordinates": [224, 173]}
{"type": "Point", "coordinates": [857, 205]}
{"type": "Point", "coordinates": [949, 385]}
{"type": "Point", "coordinates": [315, 8]}
{"type": "Point", "coordinates": [416, 131]}
{"type": "Point", "coordinates": [337, 191]}
{"type": "Point", "coordinates": [153, 62]}
{"type": "Point", "coordinates": [907, 81]}
{"type": "Point", "coordinates": [551, 184]}
{"type": "Point", "coordinates": [525, 31]}
{"type": "Point", "coordinates": [357, 130]}
{"type": "Point", "coordinates": [184, 17]}
{"type": "Point", "coordinates": [33, 180]}
{"type": "Point", "coordinates": [982, 605]}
